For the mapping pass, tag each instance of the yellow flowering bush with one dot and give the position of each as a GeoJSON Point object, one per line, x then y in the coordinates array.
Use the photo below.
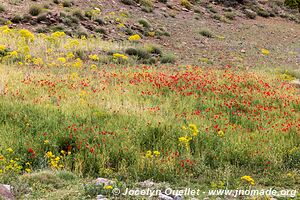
{"type": "Point", "coordinates": [248, 179]}
{"type": "Point", "coordinates": [150, 154]}
{"type": "Point", "coordinates": [94, 57]}
{"type": "Point", "coordinates": [2, 48]}
{"type": "Point", "coordinates": [54, 162]}
{"type": "Point", "coordinates": [134, 38]}
{"type": "Point", "coordinates": [26, 34]}
{"type": "Point", "coordinates": [265, 52]}
{"type": "Point", "coordinates": [120, 56]}
{"type": "Point", "coordinates": [185, 141]}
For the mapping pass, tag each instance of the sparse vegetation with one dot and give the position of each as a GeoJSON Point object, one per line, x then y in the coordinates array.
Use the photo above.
{"type": "Point", "coordinates": [35, 10]}
{"type": "Point", "coordinates": [206, 33]}
{"type": "Point", "coordinates": [168, 58]}
{"type": "Point", "coordinates": [2, 8]}
{"type": "Point", "coordinates": [186, 4]}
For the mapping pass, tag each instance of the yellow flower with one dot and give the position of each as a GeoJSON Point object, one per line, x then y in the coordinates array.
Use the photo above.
{"type": "Point", "coordinates": [156, 153]}
{"type": "Point", "coordinates": [78, 63]}
{"type": "Point", "coordinates": [74, 76]}
{"type": "Point", "coordinates": [221, 134]}
{"type": "Point", "coordinates": [248, 179]}
{"type": "Point", "coordinates": [70, 56]}
{"type": "Point", "coordinates": [134, 38]}
{"type": "Point", "coordinates": [46, 142]}
{"type": "Point", "coordinates": [183, 128]}
{"type": "Point", "coordinates": [62, 152]}
{"type": "Point", "coordinates": [38, 61]}
{"type": "Point", "coordinates": [49, 154]}
{"type": "Point", "coordinates": [121, 56]}
{"type": "Point", "coordinates": [265, 51]}
{"type": "Point", "coordinates": [28, 170]}
{"type": "Point", "coordinates": [194, 129]}
{"type": "Point", "coordinates": [149, 154]}
{"type": "Point", "coordinates": [28, 163]}
{"type": "Point", "coordinates": [61, 60]}
{"type": "Point", "coordinates": [108, 187]}
{"type": "Point", "coordinates": [13, 54]}
{"type": "Point", "coordinates": [94, 57]}
{"type": "Point", "coordinates": [93, 67]}
{"type": "Point", "coordinates": [10, 150]}
{"type": "Point", "coordinates": [58, 34]}
{"type": "Point", "coordinates": [185, 141]}
{"type": "Point", "coordinates": [69, 152]}
{"type": "Point", "coordinates": [2, 47]}
{"type": "Point", "coordinates": [26, 34]}
{"type": "Point", "coordinates": [293, 150]}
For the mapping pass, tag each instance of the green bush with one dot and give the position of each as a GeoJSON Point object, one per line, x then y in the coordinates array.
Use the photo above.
{"type": "Point", "coordinates": [128, 2]}
{"type": "Point", "coordinates": [67, 4]}
{"type": "Point", "coordinates": [294, 4]}
{"type": "Point", "coordinates": [16, 19]}
{"type": "Point", "coordinates": [35, 10]}
{"type": "Point", "coordinates": [206, 33]}
{"type": "Point", "coordinates": [2, 9]}
{"type": "Point", "coordinates": [145, 23]}
{"type": "Point", "coordinates": [168, 58]}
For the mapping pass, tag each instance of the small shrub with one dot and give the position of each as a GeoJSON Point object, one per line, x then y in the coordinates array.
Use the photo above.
{"type": "Point", "coordinates": [211, 9]}
{"type": "Point", "coordinates": [186, 4]}
{"type": "Point", "coordinates": [206, 33]}
{"type": "Point", "coordinates": [131, 51]}
{"type": "Point", "coordinates": [78, 14]}
{"type": "Point", "coordinates": [16, 19]}
{"type": "Point", "coordinates": [230, 15]}
{"type": "Point", "coordinates": [250, 14]}
{"type": "Point", "coordinates": [145, 23]}
{"type": "Point", "coordinates": [149, 61]}
{"type": "Point", "coordinates": [128, 2]}
{"type": "Point", "coordinates": [67, 4]}
{"type": "Point", "coordinates": [2, 21]}
{"type": "Point", "coordinates": [168, 58]}
{"type": "Point", "coordinates": [163, 1]}
{"type": "Point", "coordinates": [100, 21]}
{"type": "Point", "coordinates": [101, 31]}
{"type": "Point", "coordinates": [293, 4]}
{"type": "Point", "coordinates": [263, 13]}
{"type": "Point", "coordinates": [153, 49]}
{"type": "Point", "coordinates": [35, 10]}
{"type": "Point", "coordinates": [140, 53]}
{"type": "Point", "coordinates": [147, 9]}
{"type": "Point", "coordinates": [146, 3]}
{"type": "Point", "coordinates": [41, 18]}
{"type": "Point", "coordinates": [2, 8]}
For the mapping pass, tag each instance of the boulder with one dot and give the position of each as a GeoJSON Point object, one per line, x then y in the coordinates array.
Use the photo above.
{"type": "Point", "coordinates": [5, 192]}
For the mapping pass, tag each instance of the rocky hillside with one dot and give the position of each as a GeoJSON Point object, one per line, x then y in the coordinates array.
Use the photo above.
{"type": "Point", "coordinates": [207, 32]}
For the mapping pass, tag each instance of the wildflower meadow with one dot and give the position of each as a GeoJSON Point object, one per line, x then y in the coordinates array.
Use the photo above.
{"type": "Point", "coordinates": [82, 106]}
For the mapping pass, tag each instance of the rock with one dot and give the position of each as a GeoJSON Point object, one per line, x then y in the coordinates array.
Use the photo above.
{"type": "Point", "coordinates": [101, 197]}
{"type": "Point", "coordinates": [5, 192]}
{"type": "Point", "coordinates": [296, 83]}
{"type": "Point", "coordinates": [184, 9]}
{"type": "Point", "coordinates": [164, 197]}
{"type": "Point", "coordinates": [147, 184]}
{"type": "Point", "coordinates": [243, 51]}
{"type": "Point", "coordinates": [178, 198]}
{"type": "Point", "coordinates": [104, 181]}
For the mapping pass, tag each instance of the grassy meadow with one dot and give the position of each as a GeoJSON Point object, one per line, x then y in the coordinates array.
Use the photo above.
{"type": "Point", "coordinates": [82, 107]}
